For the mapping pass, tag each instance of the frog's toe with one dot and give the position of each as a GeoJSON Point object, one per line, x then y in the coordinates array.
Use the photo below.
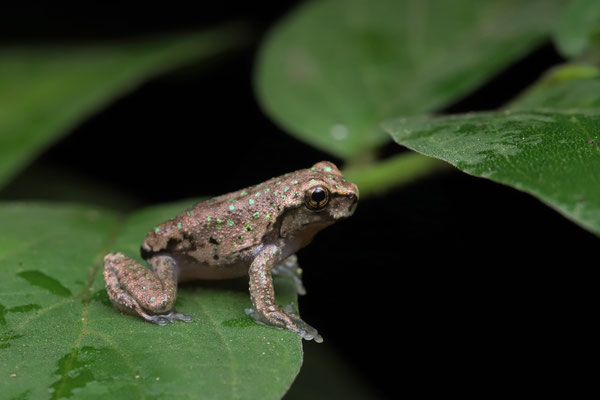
{"type": "Point", "coordinates": [164, 319]}
{"type": "Point", "coordinates": [288, 320]}
{"type": "Point", "coordinates": [175, 316]}
{"type": "Point", "coordinates": [156, 319]}
{"type": "Point", "coordinates": [306, 331]}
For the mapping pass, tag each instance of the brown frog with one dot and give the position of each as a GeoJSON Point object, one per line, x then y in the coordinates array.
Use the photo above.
{"type": "Point", "coordinates": [253, 232]}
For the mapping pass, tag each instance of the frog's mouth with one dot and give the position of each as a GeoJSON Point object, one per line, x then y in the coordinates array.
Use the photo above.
{"type": "Point", "coordinates": [343, 210]}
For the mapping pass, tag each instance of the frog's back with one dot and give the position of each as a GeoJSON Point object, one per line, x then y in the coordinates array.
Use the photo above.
{"type": "Point", "coordinates": [221, 230]}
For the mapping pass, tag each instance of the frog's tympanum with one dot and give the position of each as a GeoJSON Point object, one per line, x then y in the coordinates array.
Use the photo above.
{"type": "Point", "coordinates": [253, 232]}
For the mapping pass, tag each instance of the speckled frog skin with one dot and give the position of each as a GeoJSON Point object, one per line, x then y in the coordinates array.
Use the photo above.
{"type": "Point", "coordinates": [253, 232]}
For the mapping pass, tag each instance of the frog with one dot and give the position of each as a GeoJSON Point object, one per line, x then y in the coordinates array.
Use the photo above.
{"type": "Point", "coordinates": [253, 232]}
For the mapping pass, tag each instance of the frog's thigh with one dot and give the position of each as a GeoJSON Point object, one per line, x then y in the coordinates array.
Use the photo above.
{"type": "Point", "coordinates": [135, 289]}
{"type": "Point", "coordinates": [119, 297]}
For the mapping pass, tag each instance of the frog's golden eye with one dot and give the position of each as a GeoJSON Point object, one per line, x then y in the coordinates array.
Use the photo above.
{"type": "Point", "coordinates": [316, 197]}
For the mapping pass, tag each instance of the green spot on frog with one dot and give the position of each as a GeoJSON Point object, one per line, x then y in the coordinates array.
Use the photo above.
{"type": "Point", "coordinates": [276, 192]}
{"type": "Point", "coordinates": [231, 207]}
{"type": "Point", "coordinates": [219, 220]}
{"type": "Point", "coordinates": [131, 266]}
{"type": "Point", "coordinates": [248, 227]}
{"type": "Point", "coordinates": [208, 219]}
{"type": "Point", "coordinates": [286, 189]}
{"type": "Point", "coordinates": [268, 216]}
{"type": "Point", "coordinates": [313, 169]}
{"type": "Point", "coordinates": [143, 287]}
{"type": "Point", "coordinates": [267, 190]}
{"type": "Point", "coordinates": [152, 299]}
{"type": "Point", "coordinates": [243, 193]}
{"type": "Point", "coordinates": [250, 201]}
{"type": "Point", "coordinates": [257, 194]}
{"type": "Point", "coordinates": [294, 182]}
{"type": "Point", "coordinates": [230, 222]}
{"type": "Point", "coordinates": [256, 214]}
{"type": "Point", "coordinates": [157, 229]}
{"type": "Point", "coordinates": [313, 181]}
{"type": "Point", "coordinates": [278, 183]}
{"type": "Point", "coordinates": [327, 169]}
{"type": "Point", "coordinates": [179, 225]}
{"type": "Point", "coordinates": [218, 227]}
{"type": "Point", "coordinates": [190, 213]}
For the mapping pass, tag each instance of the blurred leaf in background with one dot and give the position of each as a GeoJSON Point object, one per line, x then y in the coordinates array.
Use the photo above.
{"type": "Point", "coordinates": [331, 71]}
{"type": "Point", "coordinates": [46, 90]}
{"type": "Point", "coordinates": [578, 28]}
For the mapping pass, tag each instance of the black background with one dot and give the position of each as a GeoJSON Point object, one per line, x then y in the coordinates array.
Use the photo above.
{"type": "Point", "coordinates": [451, 285]}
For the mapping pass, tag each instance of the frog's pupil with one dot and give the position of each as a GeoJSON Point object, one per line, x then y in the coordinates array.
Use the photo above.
{"type": "Point", "coordinates": [318, 195]}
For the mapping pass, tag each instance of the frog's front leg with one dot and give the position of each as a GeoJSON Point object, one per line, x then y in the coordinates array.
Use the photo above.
{"type": "Point", "coordinates": [262, 294]}
{"type": "Point", "coordinates": [289, 267]}
{"type": "Point", "coordinates": [136, 290]}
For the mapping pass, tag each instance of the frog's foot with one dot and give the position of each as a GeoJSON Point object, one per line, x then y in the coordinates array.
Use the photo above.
{"type": "Point", "coordinates": [134, 289]}
{"type": "Point", "coordinates": [286, 319]}
{"type": "Point", "coordinates": [289, 267]}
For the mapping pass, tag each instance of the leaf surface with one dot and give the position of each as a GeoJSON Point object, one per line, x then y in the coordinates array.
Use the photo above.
{"type": "Point", "coordinates": [333, 70]}
{"type": "Point", "coordinates": [554, 155]}
{"type": "Point", "coordinates": [61, 338]}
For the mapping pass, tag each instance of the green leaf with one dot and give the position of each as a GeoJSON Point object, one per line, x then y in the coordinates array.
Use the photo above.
{"type": "Point", "coordinates": [47, 90]}
{"type": "Point", "coordinates": [567, 87]}
{"type": "Point", "coordinates": [578, 27]}
{"type": "Point", "coordinates": [332, 70]}
{"type": "Point", "coordinates": [553, 155]}
{"type": "Point", "coordinates": [61, 338]}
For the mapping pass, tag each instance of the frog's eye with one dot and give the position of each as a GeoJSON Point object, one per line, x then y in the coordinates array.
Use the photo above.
{"type": "Point", "coordinates": [316, 197]}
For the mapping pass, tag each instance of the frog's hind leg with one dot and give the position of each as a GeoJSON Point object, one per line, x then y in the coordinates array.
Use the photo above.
{"type": "Point", "coordinates": [134, 289]}
{"type": "Point", "coordinates": [289, 267]}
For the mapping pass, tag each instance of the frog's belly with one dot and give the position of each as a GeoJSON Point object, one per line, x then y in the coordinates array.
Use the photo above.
{"type": "Point", "coordinates": [189, 270]}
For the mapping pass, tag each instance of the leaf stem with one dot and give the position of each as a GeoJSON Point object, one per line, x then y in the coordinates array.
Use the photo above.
{"type": "Point", "coordinates": [391, 173]}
